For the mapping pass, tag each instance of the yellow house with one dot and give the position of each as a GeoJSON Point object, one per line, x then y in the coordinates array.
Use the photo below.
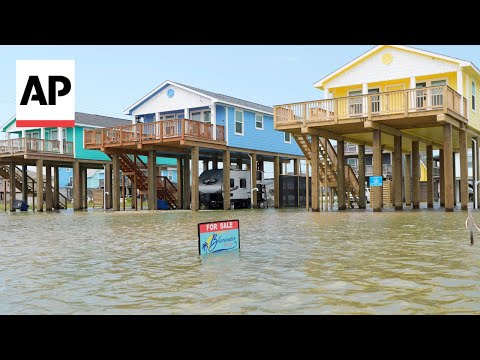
{"type": "Point", "coordinates": [392, 97]}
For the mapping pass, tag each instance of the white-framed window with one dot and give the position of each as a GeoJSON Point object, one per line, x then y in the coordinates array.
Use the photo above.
{"type": "Point", "coordinates": [258, 121]}
{"type": "Point", "coordinates": [54, 134]}
{"type": "Point", "coordinates": [474, 95]}
{"type": "Point", "coordinates": [207, 117]}
{"type": "Point", "coordinates": [170, 175]}
{"type": "Point", "coordinates": [287, 137]}
{"type": "Point", "coordinates": [238, 122]}
{"type": "Point", "coordinates": [202, 115]}
{"type": "Point", "coordinates": [197, 116]}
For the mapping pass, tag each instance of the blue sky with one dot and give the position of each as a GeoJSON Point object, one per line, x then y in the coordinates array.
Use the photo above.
{"type": "Point", "coordinates": [110, 78]}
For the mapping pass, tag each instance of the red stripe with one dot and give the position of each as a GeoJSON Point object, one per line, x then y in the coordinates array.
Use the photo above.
{"type": "Point", "coordinates": [219, 226]}
{"type": "Point", "coordinates": [45, 123]}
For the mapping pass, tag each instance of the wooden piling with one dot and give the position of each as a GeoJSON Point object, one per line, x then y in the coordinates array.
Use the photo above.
{"type": "Point", "coordinates": [415, 174]}
{"type": "Point", "coordinates": [226, 180]}
{"type": "Point", "coordinates": [276, 181]}
{"type": "Point", "coordinates": [39, 184]}
{"type": "Point", "coordinates": [48, 188]}
{"type": "Point", "coordinates": [442, 178]}
{"type": "Point", "coordinates": [463, 169]}
{"type": "Point", "coordinates": [195, 185]}
{"type": "Point", "coordinates": [408, 180]}
{"type": "Point", "coordinates": [253, 176]}
{"type": "Point", "coordinates": [108, 186]}
{"type": "Point", "coordinates": [56, 188]}
{"type": "Point", "coordinates": [13, 189]}
{"type": "Point", "coordinates": [448, 166]}
{"type": "Point", "coordinates": [430, 176]}
{"type": "Point", "coordinates": [179, 202]}
{"type": "Point", "coordinates": [314, 151]}
{"type": "Point", "coordinates": [116, 182]}
{"type": "Point", "coordinates": [152, 180]}
{"type": "Point", "coordinates": [341, 174]}
{"type": "Point", "coordinates": [24, 183]}
{"type": "Point", "coordinates": [377, 191]}
{"type": "Point", "coordinates": [362, 204]}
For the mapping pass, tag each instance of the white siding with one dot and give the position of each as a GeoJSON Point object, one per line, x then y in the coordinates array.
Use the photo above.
{"type": "Point", "coordinates": [405, 64]}
{"type": "Point", "coordinates": [182, 99]}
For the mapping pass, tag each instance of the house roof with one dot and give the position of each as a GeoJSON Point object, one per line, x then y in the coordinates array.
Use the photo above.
{"type": "Point", "coordinates": [216, 97]}
{"type": "Point", "coordinates": [320, 83]}
{"type": "Point", "coordinates": [86, 119]}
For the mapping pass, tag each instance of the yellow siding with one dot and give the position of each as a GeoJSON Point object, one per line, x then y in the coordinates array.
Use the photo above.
{"type": "Point", "coordinates": [423, 172]}
{"type": "Point", "coordinates": [474, 120]}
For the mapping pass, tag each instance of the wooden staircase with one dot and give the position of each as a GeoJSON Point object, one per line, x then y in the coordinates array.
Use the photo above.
{"type": "Point", "coordinates": [134, 170]}
{"type": "Point", "coordinates": [5, 173]}
{"type": "Point", "coordinates": [328, 155]}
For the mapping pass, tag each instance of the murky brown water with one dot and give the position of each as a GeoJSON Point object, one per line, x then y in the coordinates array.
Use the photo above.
{"type": "Point", "coordinates": [291, 262]}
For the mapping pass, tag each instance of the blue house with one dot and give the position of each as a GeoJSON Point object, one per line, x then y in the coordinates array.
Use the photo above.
{"type": "Point", "coordinates": [192, 125]}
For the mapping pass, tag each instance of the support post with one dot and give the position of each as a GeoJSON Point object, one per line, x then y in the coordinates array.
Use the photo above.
{"type": "Point", "coordinates": [195, 195]}
{"type": "Point", "coordinates": [24, 184]}
{"type": "Point", "coordinates": [48, 188]}
{"type": "Point", "coordinates": [56, 188]}
{"type": "Point", "coordinates": [40, 184]}
{"type": "Point", "coordinates": [463, 169]}
{"type": "Point", "coordinates": [186, 182]}
{"type": "Point", "coordinates": [361, 177]}
{"type": "Point", "coordinates": [415, 174]}
{"type": "Point", "coordinates": [430, 176]}
{"type": "Point", "coordinates": [239, 163]}
{"type": "Point", "coordinates": [116, 182]}
{"type": "Point", "coordinates": [448, 166]}
{"type": "Point", "coordinates": [215, 162]}
{"type": "Point", "coordinates": [84, 189]}
{"type": "Point", "coordinates": [253, 176]}
{"type": "Point", "coordinates": [377, 191]}
{"type": "Point", "coordinates": [205, 165]}
{"type": "Point", "coordinates": [108, 186]}
{"type": "Point", "coordinates": [152, 180]}
{"type": "Point", "coordinates": [13, 188]}
{"type": "Point", "coordinates": [397, 172]}
{"type": "Point", "coordinates": [454, 179]}
{"type": "Point", "coordinates": [315, 172]}
{"type": "Point", "coordinates": [442, 178]}
{"type": "Point", "coordinates": [408, 180]}
{"type": "Point", "coordinates": [226, 180]}
{"type": "Point", "coordinates": [179, 183]}
{"type": "Point", "coordinates": [307, 185]}
{"type": "Point", "coordinates": [341, 174]}
{"type": "Point", "coordinates": [276, 180]}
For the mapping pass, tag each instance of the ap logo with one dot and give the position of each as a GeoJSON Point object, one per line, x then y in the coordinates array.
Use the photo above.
{"type": "Point", "coordinates": [45, 93]}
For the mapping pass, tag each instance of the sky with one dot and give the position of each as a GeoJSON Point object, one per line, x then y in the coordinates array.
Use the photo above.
{"type": "Point", "coordinates": [111, 78]}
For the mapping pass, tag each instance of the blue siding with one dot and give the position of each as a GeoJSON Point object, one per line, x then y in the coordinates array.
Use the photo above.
{"type": "Point", "coordinates": [220, 110]}
{"type": "Point", "coordinates": [64, 176]}
{"type": "Point", "coordinates": [174, 175]}
{"type": "Point", "coordinates": [267, 139]}
{"type": "Point", "coordinates": [81, 152]}
{"type": "Point", "coordinates": [149, 118]}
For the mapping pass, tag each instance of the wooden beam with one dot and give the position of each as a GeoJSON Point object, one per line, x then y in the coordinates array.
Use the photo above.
{"type": "Point", "coordinates": [397, 173]}
{"type": "Point", "coordinates": [377, 191]}
{"type": "Point", "coordinates": [415, 175]}
{"type": "Point", "coordinates": [408, 180]}
{"type": "Point", "coordinates": [361, 177]}
{"type": "Point", "coordinates": [116, 182]}
{"type": "Point", "coordinates": [186, 182]}
{"type": "Point", "coordinates": [463, 169]}
{"type": "Point", "coordinates": [341, 175]}
{"type": "Point", "coordinates": [226, 180]}
{"type": "Point", "coordinates": [48, 188]}
{"type": "Point", "coordinates": [152, 180]}
{"type": "Point", "coordinates": [195, 185]}
{"type": "Point", "coordinates": [179, 183]}
{"type": "Point", "coordinates": [276, 181]}
{"type": "Point", "coordinates": [25, 183]}
{"type": "Point", "coordinates": [448, 166]}
{"type": "Point", "coordinates": [108, 186]}
{"type": "Point", "coordinates": [442, 178]}
{"type": "Point", "coordinates": [56, 188]}
{"type": "Point", "coordinates": [444, 119]}
{"type": "Point", "coordinates": [314, 151]}
{"type": "Point", "coordinates": [430, 176]}
{"type": "Point", "coordinates": [40, 184]}
{"type": "Point", "coordinates": [13, 188]}
{"type": "Point", "coordinates": [321, 133]}
{"type": "Point", "coordinates": [253, 176]}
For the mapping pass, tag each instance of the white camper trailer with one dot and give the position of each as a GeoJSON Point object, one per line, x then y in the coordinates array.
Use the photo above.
{"type": "Point", "coordinates": [211, 189]}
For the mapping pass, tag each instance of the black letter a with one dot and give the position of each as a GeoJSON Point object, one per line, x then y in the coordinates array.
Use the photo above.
{"type": "Point", "coordinates": [33, 82]}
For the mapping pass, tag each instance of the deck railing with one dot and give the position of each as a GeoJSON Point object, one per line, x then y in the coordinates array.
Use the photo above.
{"type": "Point", "coordinates": [34, 145]}
{"type": "Point", "coordinates": [158, 131]}
{"type": "Point", "coordinates": [400, 102]}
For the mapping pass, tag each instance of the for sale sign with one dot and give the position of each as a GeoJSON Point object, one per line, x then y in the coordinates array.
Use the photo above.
{"type": "Point", "coordinates": [218, 236]}
{"type": "Point", "coordinates": [45, 93]}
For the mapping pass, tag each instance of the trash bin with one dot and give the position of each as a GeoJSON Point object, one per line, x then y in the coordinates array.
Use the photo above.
{"type": "Point", "coordinates": [20, 205]}
{"type": "Point", "coordinates": [162, 205]}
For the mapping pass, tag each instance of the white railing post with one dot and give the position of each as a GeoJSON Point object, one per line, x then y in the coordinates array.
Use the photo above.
{"type": "Point", "coordinates": [60, 138]}
{"type": "Point", "coordinates": [460, 88]}
{"type": "Point", "coordinates": [365, 99]}
{"type": "Point", "coordinates": [213, 120]}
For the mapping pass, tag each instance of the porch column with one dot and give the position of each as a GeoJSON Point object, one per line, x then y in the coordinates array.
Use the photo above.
{"type": "Point", "coordinates": [178, 202]}
{"type": "Point", "coordinates": [48, 188]}
{"type": "Point", "coordinates": [341, 174]}
{"type": "Point", "coordinates": [116, 183]}
{"type": "Point", "coordinates": [186, 182]}
{"type": "Point", "coordinates": [408, 180]}
{"type": "Point", "coordinates": [454, 179]}
{"type": "Point", "coordinates": [448, 166]}
{"type": "Point", "coordinates": [478, 165]}
{"type": "Point", "coordinates": [56, 188]}
{"type": "Point", "coordinates": [276, 180]}
{"type": "Point", "coordinates": [84, 188]}
{"type": "Point", "coordinates": [442, 178]}
{"type": "Point", "coordinates": [152, 180]}
{"type": "Point", "coordinates": [108, 186]}
{"type": "Point", "coordinates": [416, 174]}
{"type": "Point", "coordinates": [215, 162]}
{"type": "Point", "coordinates": [186, 113]}
{"type": "Point", "coordinates": [377, 191]}
{"type": "Point", "coordinates": [13, 188]}
{"type": "Point", "coordinates": [213, 118]}
{"type": "Point", "coordinates": [463, 169]}
{"type": "Point", "coordinates": [60, 138]}
{"type": "Point", "coordinates": [24, 183]}
{"type": "Point", "coordinates": [365, 98]}
{"type": "Point", "coordinates": [397, 172]}
{"type": "Point", "coordinates": [361, 177]}
{"type": "Point", "coordinates": [226, 180]}
{"type": "Point", "coordinates": [39, 184]}
{"type": "Point", "coordinates": [195, 195]}
{"type": "Point", "coordinates": [430, 176]}
{"type": "Point", "coordinates": [42, 136]}
{"type": "Point", "coordinates": [253, 176]}
{"type": "Point", "coordinates": [307, 186]}
{"type": "Point", "coordinates": [475, 166]}
{"type": "Point", "coordinates": [315, 170]}
{"type": "Point", "coordinates": [460, 88]}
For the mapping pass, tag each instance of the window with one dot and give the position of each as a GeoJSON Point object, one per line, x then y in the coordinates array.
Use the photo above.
{"type": "Point", "coordinates": [259, 122]}
{"type": "Point", "coordinates": [207, 117]}
{"type": "Point", "coordinates": [352, 161]}
{"type": "Point", "coordinates": [170, 175]}
{"type": "Point", "coordinates": [197, 116]}
{"type": "Point", "coordinates": [243, 183]}
{"type": "Point", "coordinates": [437, 92]}
{"type": "Point", "coordinates": [238, 122]}
{"type": "Point", "coordinates": [355, 103]}
{"type": "Point", "coordinates": [232, 183]}
{"type": "Point", "coordinates": [53, 135]}
{"type": "Point", "coordinates": [474, 89]}
{"type": "Point", "coordinates": [287, 137]}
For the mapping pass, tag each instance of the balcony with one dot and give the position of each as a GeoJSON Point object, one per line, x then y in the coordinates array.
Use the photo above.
{"type": "Point", "coordinates": [387, 105]}
{"type": "Point", "coordinates": [25, 146]}
{"type": "Point", "coordinates": [167, 131]}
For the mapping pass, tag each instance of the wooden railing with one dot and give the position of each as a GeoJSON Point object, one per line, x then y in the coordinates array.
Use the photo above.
{"type": "Point", "coordinates": [367, 106]}
{"type": "Point", "coordinates": [33, 145]}
{"type": "Point", "coordinates": [158, 131]}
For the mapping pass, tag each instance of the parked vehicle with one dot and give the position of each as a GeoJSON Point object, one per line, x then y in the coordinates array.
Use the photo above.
{"type": "Point", "coordinates": [211, 189]}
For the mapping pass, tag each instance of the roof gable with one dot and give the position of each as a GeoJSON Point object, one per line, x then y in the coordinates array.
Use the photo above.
{"type": "Point", "coordinates": [389, 62]}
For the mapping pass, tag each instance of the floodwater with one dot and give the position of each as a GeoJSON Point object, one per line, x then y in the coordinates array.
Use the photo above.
{"type": "Point", "coordinates": [291, 262]}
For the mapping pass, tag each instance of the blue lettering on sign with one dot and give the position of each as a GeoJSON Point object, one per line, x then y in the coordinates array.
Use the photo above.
{"type": "Point", "coordinates": [376, 181]}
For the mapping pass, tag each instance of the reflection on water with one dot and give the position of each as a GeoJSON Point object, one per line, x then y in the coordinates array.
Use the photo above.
{"type": "Point", "coordinates": [291, 261]}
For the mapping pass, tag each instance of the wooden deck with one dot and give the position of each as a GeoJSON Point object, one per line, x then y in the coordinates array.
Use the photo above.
{"type": "Point", "coordinates": [173, 133]}
{"type": "Point", "coordinates": [33, 146]}
{"type": "Point", "coordinates": [405, 109]}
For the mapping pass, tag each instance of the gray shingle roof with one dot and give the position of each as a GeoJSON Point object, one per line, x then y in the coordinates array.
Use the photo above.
{"type": "Point", "coordinates": [230, 99]}
{"type": "Point", "coordinates": [99, 120]}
